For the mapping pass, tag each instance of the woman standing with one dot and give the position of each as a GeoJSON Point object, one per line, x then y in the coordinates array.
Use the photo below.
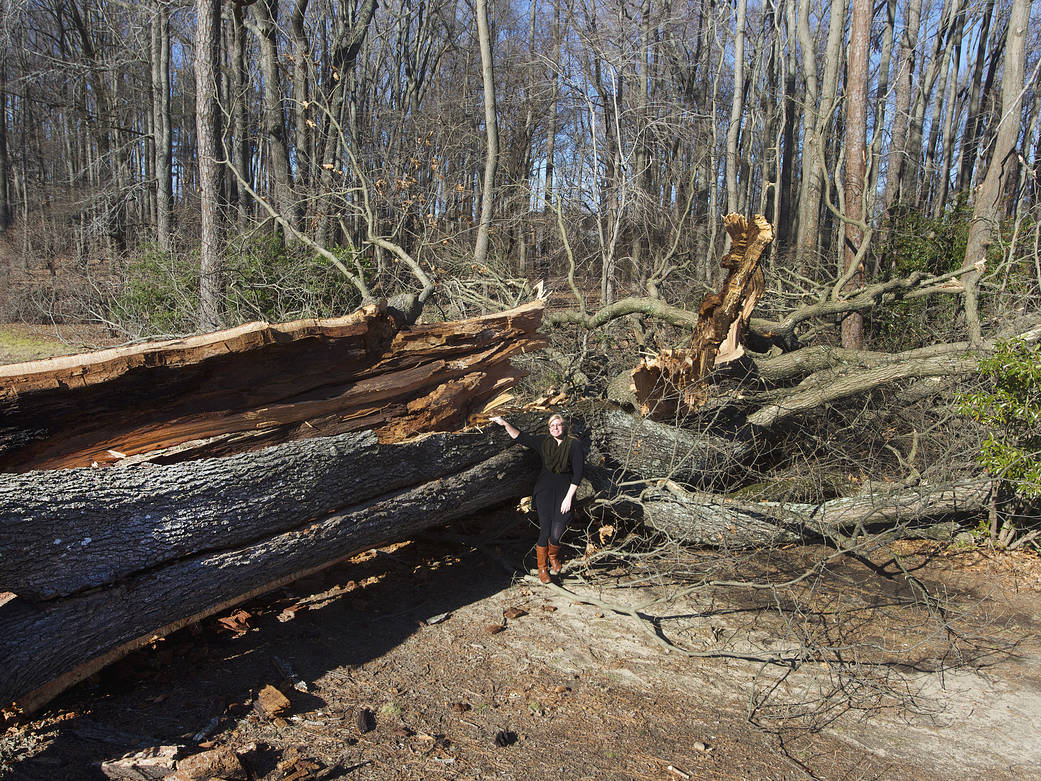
{"type": "Point", "coordinates": [562, 466]}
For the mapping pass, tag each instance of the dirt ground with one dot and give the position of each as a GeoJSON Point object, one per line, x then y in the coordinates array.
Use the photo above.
{"type": "Point", "coordinates": [467, 671]}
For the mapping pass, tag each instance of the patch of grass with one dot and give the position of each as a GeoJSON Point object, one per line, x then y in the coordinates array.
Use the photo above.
{"type": "Point", "coordinates": [17, 346]}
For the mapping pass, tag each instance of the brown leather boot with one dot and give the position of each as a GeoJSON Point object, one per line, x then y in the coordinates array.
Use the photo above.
{"type": "Point", "coordinates": [540, 553]}
{"type": "Point", "coordinates": [554, 558]}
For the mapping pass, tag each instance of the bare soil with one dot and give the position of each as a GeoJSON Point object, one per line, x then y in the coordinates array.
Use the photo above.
{"type": "Point", "coordinates": [418, 634]}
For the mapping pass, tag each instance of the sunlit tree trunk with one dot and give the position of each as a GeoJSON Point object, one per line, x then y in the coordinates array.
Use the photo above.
{"type": "Point", "coordinates": [817, 117]}
{"type": "Point", "coordinates": [162, 126]}
{"type": "Point", "coordinates": [907, 52]}
{"type": "Point", "coordinates": [491, 128]}
{"type": "Point", "coordinates": [856, 163]}
{"type": "Point", "coordinates": [736, 109]}
{"type": "Point", "coordinates": [207, 59]}
{"type": "Point", "coordinates": [990, 207]}
{"type": "Point", "coordinates": [273, 122]}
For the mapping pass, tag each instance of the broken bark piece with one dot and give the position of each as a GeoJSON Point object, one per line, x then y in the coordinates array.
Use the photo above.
{"type": "Point", "coordinates": [514, 612]}
{"type": "Point", "coordinates": [290, 381]}
{"type": "Point", "coordinates": [216, 763]}
{"type": "Point", "coordinates": [366, 722]}
{"type": "Point", "coordinates": [674, 381]}
{"type": "Point", "coordinates": [270, 702]}
{"type": "Point", "coordinates": [151, 764]}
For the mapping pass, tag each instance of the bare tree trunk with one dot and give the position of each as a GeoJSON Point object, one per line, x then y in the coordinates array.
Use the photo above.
{"type": "Point", "coordinates": [273, 124]}
{"type": "Point", "coordinates": [5, 185]}
{"type": "Point", "coordinates": [162, 126]}
{"type": "Point", "coordinates": [301, 74]}
{"type": "Point", "coordinates": [816, 119]}
{"type": "Point", "coordinates": [239, 151]}
{"type": "Point", "coordinates": [736, 109]}
{"type": "Point", "coordinates": [786, 190]}
{"type": "Point", "coordinates": [207, 57]}
{"type": "Point", "coordinates": [907, 51]}
{"type": "Point", "coordinates": [971, 134]}
{"type": "Point", "coordinates": [856, 163]}
{"type": "Point", "coordinates": [990, 206]}
{"type": "Point", "coordinates": [491, 131]}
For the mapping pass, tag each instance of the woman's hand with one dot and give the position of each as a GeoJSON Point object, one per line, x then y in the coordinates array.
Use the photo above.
{"type": "Point", "coordinates": [511, 430]}
{"type": "Point", "coordinates": [565, 506]}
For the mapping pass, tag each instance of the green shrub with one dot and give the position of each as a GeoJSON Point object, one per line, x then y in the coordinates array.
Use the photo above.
{"type": "Point", "coordinates": [916, 242]}
{"type": "Point", "coordinates": [159, 294]}
{"type": "Point", "coordinates": [1010, 410]}
{"type": "Point", "coordinates": [263, 280]}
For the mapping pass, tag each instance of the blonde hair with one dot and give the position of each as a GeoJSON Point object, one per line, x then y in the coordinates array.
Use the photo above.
{"type": "Point", "coordinates": [557, 416]}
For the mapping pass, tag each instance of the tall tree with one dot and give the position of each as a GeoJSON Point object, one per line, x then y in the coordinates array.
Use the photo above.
{"type": "Point", "coordinates": [207, 61]}
{"type": "Point", "coordinates": [990, 206]}
{"type": "Point", "coordinates": [491, 128]}
{"type": "Point", "coordinates": [856, 164]}
{"type": "Point", "coordinates": [161, 125]}
{"type": "Point", "coordinates": [736, 108]}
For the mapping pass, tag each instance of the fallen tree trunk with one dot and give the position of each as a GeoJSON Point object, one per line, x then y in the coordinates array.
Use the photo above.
{"type": "Point", "coordinates": [712, 520]}
{"type": "Point", "coordinates": [48, 646]}
{"type": "Point", "coordinates": [71, 530]}
{"type": "Point", "coordinates": [257, 385]}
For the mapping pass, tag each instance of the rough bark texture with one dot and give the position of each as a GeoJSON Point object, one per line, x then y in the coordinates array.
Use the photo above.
{"type": "Point", "coordinates": [49, 646]}
{"type": "Point", "coordinates": [257, 385]}
{"type": "Point", "coordinates": [70, 530]}
{"type": "Point", "coordinates": [705, 519]}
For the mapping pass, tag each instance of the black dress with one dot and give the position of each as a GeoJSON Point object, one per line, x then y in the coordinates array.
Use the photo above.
{"type": "Point", "coordinates": [551, 487]}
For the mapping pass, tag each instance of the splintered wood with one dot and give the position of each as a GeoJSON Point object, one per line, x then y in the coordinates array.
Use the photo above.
{"type": "Point", "coordinates": [258, 385]}
{"type": "Point", "coordinates": [674, 382]}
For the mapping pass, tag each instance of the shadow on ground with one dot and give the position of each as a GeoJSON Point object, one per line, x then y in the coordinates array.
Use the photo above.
{"type": "Point", "coordinates": [194, 684]}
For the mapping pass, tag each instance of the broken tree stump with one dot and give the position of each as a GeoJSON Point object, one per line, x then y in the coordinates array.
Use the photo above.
{"type": "Point", "coordinates": [673, 383]}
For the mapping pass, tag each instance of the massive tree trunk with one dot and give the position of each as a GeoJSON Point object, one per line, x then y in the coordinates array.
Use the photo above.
{"type": "Point", "coordinates": [256, 385]}
{"type": "Point", "coordinates": [219, 559]}
{"type": "Point", "coordinates": [101, 559]}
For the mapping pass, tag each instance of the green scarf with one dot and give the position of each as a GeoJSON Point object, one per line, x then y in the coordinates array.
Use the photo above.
{"type": "Point", "coordinates": [557, 458]}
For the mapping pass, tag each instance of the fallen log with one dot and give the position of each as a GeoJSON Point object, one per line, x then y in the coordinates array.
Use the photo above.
{"type": "Point", "coordinates": [67, 531]}
{"type": "Point", "coordinates": [48, 646]}
{"type": "Point", "coordinates": [316, 427]}
{"type": "Point", "coordinates": [718, 521]}
{"type": "Point", "coordinates": [257, 385]}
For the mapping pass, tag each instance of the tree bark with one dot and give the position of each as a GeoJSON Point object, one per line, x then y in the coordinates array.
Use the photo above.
{"type": "Point", "coordinates": [273, 124]}
{"type": "Point", "coordinates": [852, 327]}
{"type": "Point", "coordinates": [256, 385]}
{"type": "Point", "coordinates": [47, 647]}
{"type": "Point", "coordinates": [162, 126]}
{"type": "Point", "coordinates": [907, 52]}
{"type": "Point", "coordinates": [491, 127]}
{"type": "Point", "coordinates": [736, 109]}
{"type": "Point", "coordinates": [710, 520]}
{"type": "Point", "coordinates": [990, 204]}
{"type": "Point", "coordinates": [207, 58]}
